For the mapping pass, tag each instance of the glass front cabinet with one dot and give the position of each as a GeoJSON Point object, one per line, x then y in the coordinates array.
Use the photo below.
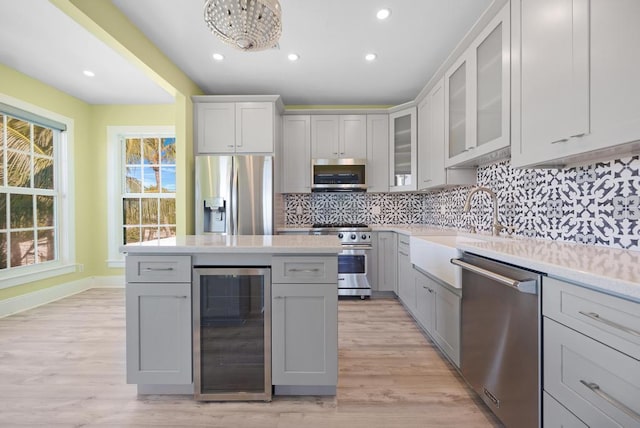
{"type": "Point", "coordinates": [402, 149]}
{"type": "Point", "coordinates": [477, 98]}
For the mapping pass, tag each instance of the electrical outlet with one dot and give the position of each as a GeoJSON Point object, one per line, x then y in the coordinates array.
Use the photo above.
{"type": "Point", "coordinates": [375, 210]}
{"type": "Point", "coordinates": [298, 210]}
{"type": "Point", "coordinates": [80, 267]}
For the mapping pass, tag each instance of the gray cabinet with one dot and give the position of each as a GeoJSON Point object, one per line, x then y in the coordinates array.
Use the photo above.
{"type": "Point", "coordinates": [406, 279]}
{"type": "Point", "coordinates": [228, 124]}
{"type": "Point", "coordinates": [378, 153]}
{"type": "Point", "coordinates": [387, 262]}
{"type": "Point", "coordinates": [304, 316]}
{"type": "Point", "coordinates": [339, 136]}
{"type": "Point", "coordinates": [403, 159]}
{"type": "Point", "coordinates": [158, 320]}
{"type": "Point", "coordinates": [425, 301]}
{"type": "Point", "coordinates": [556, 416]}
{"type": "Point", "coordinates": [587, 104]}
{"type": "Point", "coordinates": [590, 354]}
{"type": "Point", "coordinates": [296, 154]}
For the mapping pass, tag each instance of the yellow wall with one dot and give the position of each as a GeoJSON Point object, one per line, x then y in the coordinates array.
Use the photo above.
{"type": "Point", "coordinates": [29, 90]}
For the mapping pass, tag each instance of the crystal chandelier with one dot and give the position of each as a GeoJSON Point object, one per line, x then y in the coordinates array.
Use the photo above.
{"type": "Point", "coordinates": [248, 25]}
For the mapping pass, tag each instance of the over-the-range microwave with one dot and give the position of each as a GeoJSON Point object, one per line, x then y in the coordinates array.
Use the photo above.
{"type": "Point", "coordinates": [338, 175]}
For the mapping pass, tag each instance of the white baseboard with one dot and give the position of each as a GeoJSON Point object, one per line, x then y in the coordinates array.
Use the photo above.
{"type": "Point", "coordinates": [41, 297]}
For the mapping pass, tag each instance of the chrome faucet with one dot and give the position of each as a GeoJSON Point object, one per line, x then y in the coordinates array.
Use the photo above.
{"type": "Point", "coordinates": [497, 226]}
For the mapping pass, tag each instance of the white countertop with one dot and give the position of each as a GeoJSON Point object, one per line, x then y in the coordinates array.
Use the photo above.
{"type": "Point", "coordinates": [610, 270]}
{"type": "Point", "coordinates": [238, 244]}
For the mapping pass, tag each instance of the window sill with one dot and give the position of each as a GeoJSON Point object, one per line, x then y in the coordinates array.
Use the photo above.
{"type": "Point", "coordinates": [11, 279]}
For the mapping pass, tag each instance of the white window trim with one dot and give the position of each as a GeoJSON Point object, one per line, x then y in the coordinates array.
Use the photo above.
{"type": "Point", "coordinates": [66, 262]}
{"type": "Point", "coordinates": [114, 163]}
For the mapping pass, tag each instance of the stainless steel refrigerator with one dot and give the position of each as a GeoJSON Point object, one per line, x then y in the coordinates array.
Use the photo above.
{"type": "Point", "coordinates": [234, 195]}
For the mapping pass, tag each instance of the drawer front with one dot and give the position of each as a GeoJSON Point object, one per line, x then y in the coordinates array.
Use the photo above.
{"type": "Point", "coordinates": [289, 270]}
{"type": "Point", "coordinates": [600, 385]}
{"type": "Point", "coordinates": [158, 268]}
{"type": "Point", "coordinates": [608, 319]}
{"type": "Point", "coordinates": [404, 245]}
{"type": "Point", "coordinates": [556, 416]}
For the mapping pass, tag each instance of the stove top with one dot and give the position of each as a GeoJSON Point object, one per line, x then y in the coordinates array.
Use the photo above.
{"type": "Point", "coordinates": [339, 226]}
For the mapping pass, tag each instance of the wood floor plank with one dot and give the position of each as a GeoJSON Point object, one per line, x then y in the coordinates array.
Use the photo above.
{"type": "Point", "coordinates": [63, 365]}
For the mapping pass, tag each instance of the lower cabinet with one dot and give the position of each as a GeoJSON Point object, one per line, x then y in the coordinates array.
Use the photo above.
{"type": "Point", "coordinates": [406, 279]}
{"type": "Point", "coordinates": [304, 334]}
{"type": "Point", "coordinates": [387, 262]}
{"type": "Point", "coordinates": [438, 312]}
{"type": "Point", "coordinates": [556, 416]}
{"type": "Point", "coordinates": [158, 333]}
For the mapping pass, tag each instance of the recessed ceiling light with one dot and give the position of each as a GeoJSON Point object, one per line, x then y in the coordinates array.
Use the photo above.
{"type": "Point", "coordinates": [370, 56]}
{"type": "Point", "coordinates": [383, 14]}
{"type": "Point", "coordinates": [218, 57]}
{"type": "Point", "coordinates": [293, 57]}
{"type": "Point", "coordinates": [88, 73]}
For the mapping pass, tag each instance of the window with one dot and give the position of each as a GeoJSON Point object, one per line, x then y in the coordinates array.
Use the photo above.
{"type": "Point", "coordinates": [32, 205]}
{"type": "Point", "coordinates": [149, 183]}
{"type": "Point", "coordinates": [143, 192]}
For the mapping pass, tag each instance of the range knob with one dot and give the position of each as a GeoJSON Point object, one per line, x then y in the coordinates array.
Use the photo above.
{"type": "Point", "coordinates": [340, 235]}
{"type": "Point", "coordinates": [363, 236]}
{"type": "Point", "coordinates": [353, 236]}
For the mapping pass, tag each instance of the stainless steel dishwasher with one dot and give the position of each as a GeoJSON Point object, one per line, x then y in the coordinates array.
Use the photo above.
{"type": "Point", "coordinates": [500, 338]}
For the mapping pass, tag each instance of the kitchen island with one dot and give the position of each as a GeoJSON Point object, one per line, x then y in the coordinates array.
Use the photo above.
{"type": "Point", "coordinates": [301, 309]}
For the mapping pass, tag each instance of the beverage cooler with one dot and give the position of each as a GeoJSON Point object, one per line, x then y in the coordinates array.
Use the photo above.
{"type": "Point", "coordinates": [232, 333]}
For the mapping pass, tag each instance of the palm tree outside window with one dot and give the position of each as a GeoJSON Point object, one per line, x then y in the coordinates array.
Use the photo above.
{"type": "Point", "coordinates": [149, 188]}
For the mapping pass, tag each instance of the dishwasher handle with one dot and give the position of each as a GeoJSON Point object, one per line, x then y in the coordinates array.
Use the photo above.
{"type": "Point", "coordinates": [529, 286]}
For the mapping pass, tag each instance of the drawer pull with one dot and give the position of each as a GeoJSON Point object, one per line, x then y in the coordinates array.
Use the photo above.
{"type": "Point", "coordinates": [596, 317]}
{"type": "Point", "coordinates": [430, 290]}
{"type": "Point", "coordinates": [166, 269]}
{"type": "Point", "coordinates": [182, 297]}
{"type": "Point", "coordinates": [404, 242]}
{"type": "Point", "coordinates": [600, 393]}
{"type": "Point", "coordinates": [403, 253]}
{"type": "Point", "coordinates": [305, 270]}
{"type": "Point", "coordinates": [278, 297]}
{"type": "Point", "coordinates": [562, 140]}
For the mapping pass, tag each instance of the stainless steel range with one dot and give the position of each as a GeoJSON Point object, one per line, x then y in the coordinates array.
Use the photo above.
{"type": "Point", "coordinates": [354, 259]}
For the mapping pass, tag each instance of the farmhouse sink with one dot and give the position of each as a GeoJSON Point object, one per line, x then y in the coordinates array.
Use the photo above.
{"type": "Point", "coordinates": [432, 254]}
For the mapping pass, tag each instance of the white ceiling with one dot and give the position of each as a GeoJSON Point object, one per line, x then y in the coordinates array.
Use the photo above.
{"type": "Point", "coordinates": [331, 37]}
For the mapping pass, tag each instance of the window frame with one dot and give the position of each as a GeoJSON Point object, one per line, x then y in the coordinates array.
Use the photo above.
{"type": "Point", "coordinates": [115, 159]}
{"type": "Point", "coordinates": [64, 213]}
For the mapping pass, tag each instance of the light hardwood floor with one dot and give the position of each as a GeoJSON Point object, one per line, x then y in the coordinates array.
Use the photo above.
{"type": "Point", "coordinates": [63, 364]}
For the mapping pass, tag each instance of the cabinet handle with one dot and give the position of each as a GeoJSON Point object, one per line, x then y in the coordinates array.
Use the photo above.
{"type": "Point", "coordinates": [596, 317]}
{"type": "Point", "coordinates": [427, 180]}
{"type": "Point", "coordinates": [278, 297]}
{"type": "Point", "coordinates": [578, 135]}
{"type": "Point", "coordinates": [229, 145]}
{"type": "Point", "coordinates": [335, 153]}
{"type": "Point", "coordinates": [158, 269]}
{"type": "Point", "coordinates": [430, 290]}
{"type": "Point", "coordinates": [404, 242]}
{"type": "Point", "coordinates": [562, 140]}
{"type": "Point", "coordinates": [182, 297]}
{"type": "Point", "coordinates": [305, 270]}
{"type": "Point", "coordinates": [600, 393]}
{"type": "Point", "coordinates": [403, 253]}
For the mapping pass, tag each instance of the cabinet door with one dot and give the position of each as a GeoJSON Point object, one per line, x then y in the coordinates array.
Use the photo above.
{"type": "Point", "coordinates": [406, 281]}
{"type": "Point", "coordinates": [158, 333]}
{"type": "Point", "coordinates": [551, 92]}
{"type": "Point", "coordinates": [216, 132]}
{"type": "Point", "coordinates": [458, 104]}
{"type": "Point", "coordinates": [446, 329]}
{"type": "Point", "coordinates": [426, 150]}
{"type": "Point", "coordinates": [387, 262]}
{"type": "Point", "coordinates": [425, 301]}
{"type": "Point", "coordinates": [304, 334]}
{"type": "Point", "coordinates": [254, 127]}
{"type": "Point", "coordinates": [378, 152]}
{"type": "Point", "coordinates": [353, 136]}
{"type": "Point", "coordinates": [403, 150]}
{"type": "Point", "coordinates": [296, 154]}
{"type": "Point", "coordinates": [325, 136]}
{"type": "Point", "coordinates": [554, 415]}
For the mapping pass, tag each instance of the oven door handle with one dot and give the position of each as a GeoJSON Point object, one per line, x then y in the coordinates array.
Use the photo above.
{"type": "Point", "coordinates": [528, 286]}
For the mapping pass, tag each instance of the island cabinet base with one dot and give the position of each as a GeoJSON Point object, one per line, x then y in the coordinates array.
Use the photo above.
{"type": "Point", "coordinates": [304, 390]}
{"type": "Point", "coordinates": [145, 389]}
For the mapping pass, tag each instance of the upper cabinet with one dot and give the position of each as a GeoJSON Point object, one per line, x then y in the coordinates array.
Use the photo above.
{"type": "Point", "coordinates": [402, 150]}
{"type": "Point", "coordinates": [223, 126]}
{"type": "Point", "coordinates": [476, 88]}
{"type": "Point", "coordinates": [575, 91]}
{"type": "Point", "coordinates": [377, 153]}
{"type": "Point", "coordinates": [431, 145]}
{"type": "Point", "coordinates": [339, 136]}
{"type": "Point", "coordinates": [296, 154]}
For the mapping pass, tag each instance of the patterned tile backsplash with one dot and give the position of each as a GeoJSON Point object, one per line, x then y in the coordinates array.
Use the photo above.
{"type": "Point", "coordinates": [595, 204]}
